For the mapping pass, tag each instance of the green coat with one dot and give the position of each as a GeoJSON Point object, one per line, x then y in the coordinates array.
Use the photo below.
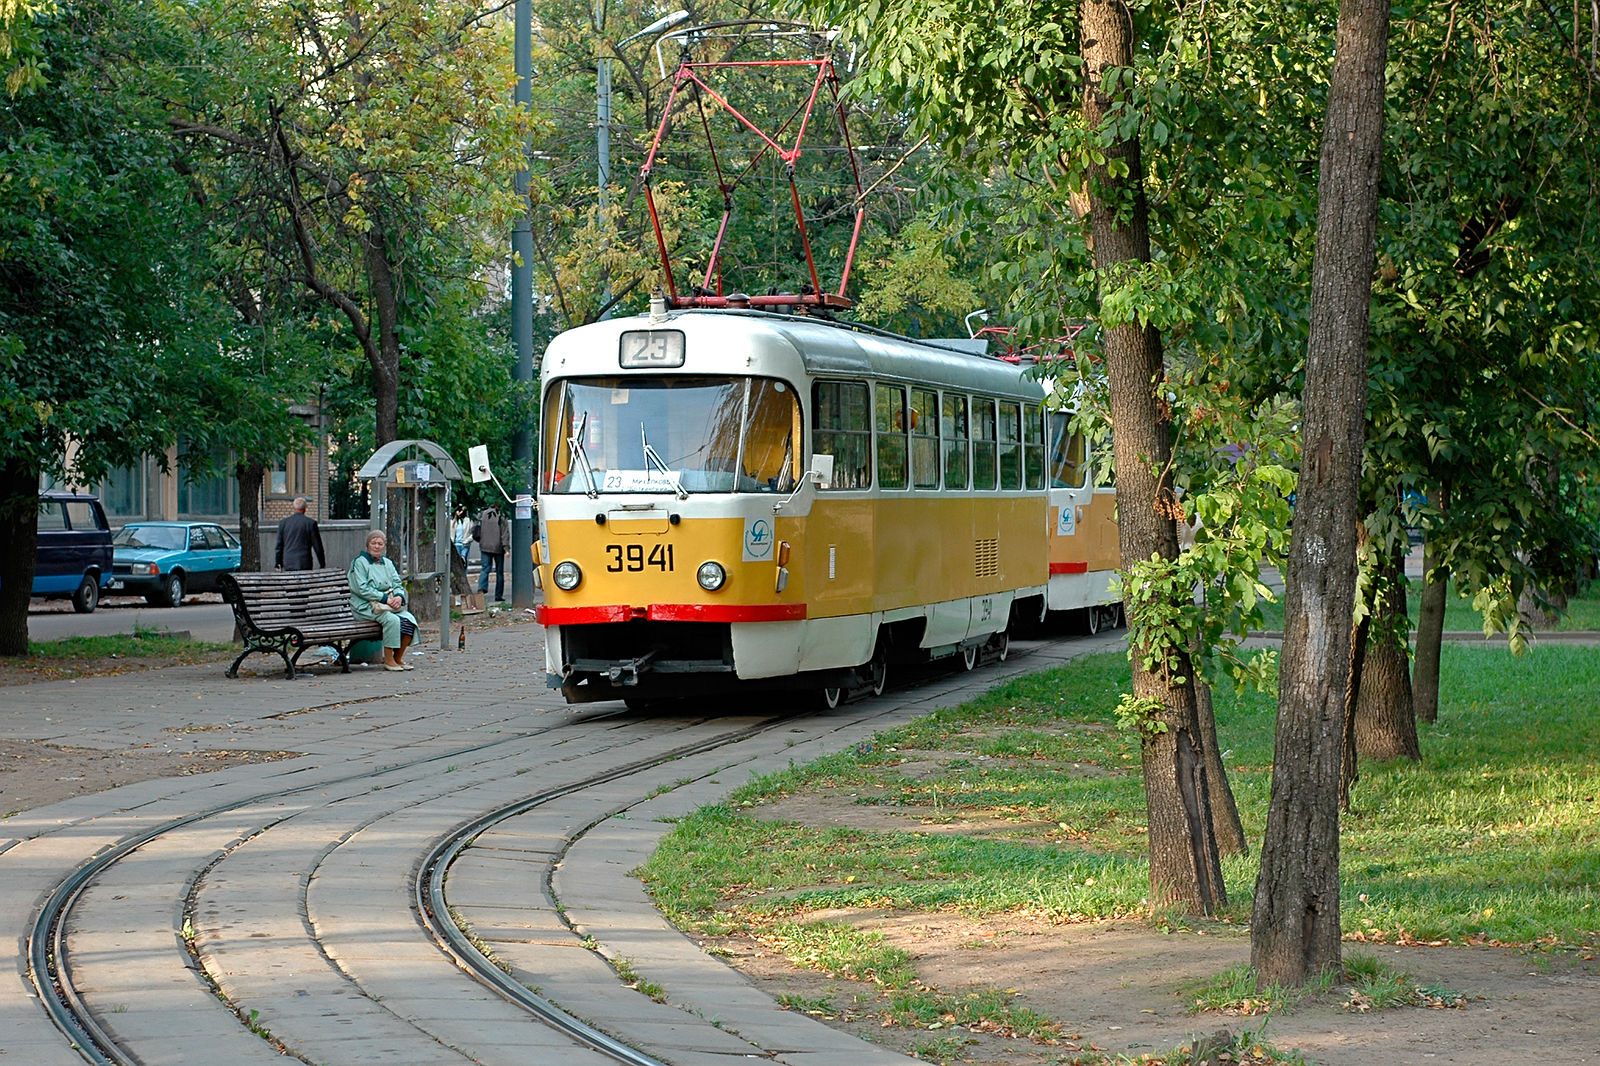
{"type": "Point", "coordinates": [373, 579]}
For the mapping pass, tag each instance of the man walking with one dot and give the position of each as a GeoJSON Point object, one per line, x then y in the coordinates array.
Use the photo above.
{"type": "Point", "coordinates": [493, 535]}
{"type": "Point", "coordinates": [298, 539]}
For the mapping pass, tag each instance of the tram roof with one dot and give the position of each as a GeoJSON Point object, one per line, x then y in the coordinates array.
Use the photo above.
{"type": "Point", "coordinates": [826, 348]}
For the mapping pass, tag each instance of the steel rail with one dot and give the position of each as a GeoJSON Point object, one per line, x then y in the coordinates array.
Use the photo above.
{"type": "Point", "coordinates": [433, 910]}
{"type": "Point", "coordinates": [49, 966]}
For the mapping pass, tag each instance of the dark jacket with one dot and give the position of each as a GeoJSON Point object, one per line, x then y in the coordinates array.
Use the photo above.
{"type": "Point", "coordinates": [494, 535]}
{"type": "Point", "coordinates": [298, 539]}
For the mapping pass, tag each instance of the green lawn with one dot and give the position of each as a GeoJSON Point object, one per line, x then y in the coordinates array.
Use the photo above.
{"type": "Point", "coordinates": [1582, 615]}
{"type": "Point", "coordinates": [1495, 836]}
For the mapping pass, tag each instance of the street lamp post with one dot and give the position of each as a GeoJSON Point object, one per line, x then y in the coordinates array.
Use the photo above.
{"type": "Point", "coordinates": [602, 132]}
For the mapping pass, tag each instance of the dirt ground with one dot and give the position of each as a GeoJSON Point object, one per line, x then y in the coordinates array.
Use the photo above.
{"type": "Point", "coordinates": [1125, 988]}
{"type": "Point", "coordinates": [1115, 987]}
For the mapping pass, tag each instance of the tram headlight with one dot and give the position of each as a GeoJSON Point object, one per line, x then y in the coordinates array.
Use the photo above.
{"type": "Point", "coordinates": [711, 576]}
{"type": "Point", "coordinates": [566, 575]}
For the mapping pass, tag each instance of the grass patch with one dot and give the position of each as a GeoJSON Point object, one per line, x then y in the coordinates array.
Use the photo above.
{"type": "Point", "coordinates": [634, 980]}
{"type": "Point", "coordinates": [1492, 839]}
{"type": "Point", "coordinates": [143, 642]}
{"type": "Point", "coordinates": [50, 660]}
{"type": "Point", "coordinates": [1582, 614]}
{"type": "Point", "coordinates": [843, 951]}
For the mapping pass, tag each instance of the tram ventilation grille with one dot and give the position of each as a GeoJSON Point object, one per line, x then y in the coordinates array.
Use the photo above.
{"type": "Point", "coordinates": [985, 558]}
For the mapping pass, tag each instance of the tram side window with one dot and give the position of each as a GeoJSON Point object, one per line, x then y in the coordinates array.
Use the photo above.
{"type": "Point", "coordinates": [1033, 446]}
{"type": "Point", "coordinates": [983, 443]}
{"type": "Point", "coordinates": [840, 428]}
{"type": "Point", "coordinates": [1010, 446]}
{"type": "Point", "coordinates": [1069, 458]}
{"type": "Point", "coordinates": [891, 425]}
{"type": "Point", "coordinates": [924, 439]}
{"type": "Point", "coordinates": [954, 436]}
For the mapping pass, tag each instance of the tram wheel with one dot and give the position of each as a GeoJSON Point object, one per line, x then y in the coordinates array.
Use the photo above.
{"type": "Point", "coordinates": [830, 697]}
{"type": "Point", "coordinates": [1001, 643]}
{"type": "Point", "coordinates": [1091, 620]}
{"type": "Point", "coordinates": [878, 669]}
{"type": "Point", "coordinates": [969, 656]}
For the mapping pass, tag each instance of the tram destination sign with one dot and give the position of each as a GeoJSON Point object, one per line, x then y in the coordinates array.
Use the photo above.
{"type": "Point", "coordinates": [651, 349]}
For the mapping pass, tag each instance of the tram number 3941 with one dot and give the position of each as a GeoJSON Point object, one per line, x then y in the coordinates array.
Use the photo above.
{"type": "Point", "coordinates": [633, 558]}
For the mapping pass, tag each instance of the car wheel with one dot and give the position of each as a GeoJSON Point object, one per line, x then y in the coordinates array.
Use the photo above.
{"type": "Point", "coordinates": [87, 598]}
{"type": "Point", "coordinates": [172, 590]}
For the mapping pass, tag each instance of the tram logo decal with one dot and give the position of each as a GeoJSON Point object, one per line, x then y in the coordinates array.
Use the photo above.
{"type": "Point", "coordinates": [757, 540]}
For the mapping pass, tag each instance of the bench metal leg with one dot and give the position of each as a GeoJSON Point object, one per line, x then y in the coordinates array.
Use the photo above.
{"type": "Point", "coordinates": [280, 647]}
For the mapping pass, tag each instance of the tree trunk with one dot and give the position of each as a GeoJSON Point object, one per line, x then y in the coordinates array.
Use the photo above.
{"type": "Point", "coordinates": [1430, 637]}
{"type": "Point", "coordinates": [1226, 826]}
{"type": "Point", "coordinates": [1185, 870]}
{"type": "Point", "coordinates": [1350, 766]}
{"type": "Point", "coordinates": [1294, 924]}
{"type": "Point", "coordinates": [251, 475]}
{"type": "Point", "coordinates": [19, 532]}
{"type": "Point", "coordinates": [385, 355]}
{"type": "Point", "coordinates": [1385, 724]}
{"type": "Point", "coordinates": [1541, 605]}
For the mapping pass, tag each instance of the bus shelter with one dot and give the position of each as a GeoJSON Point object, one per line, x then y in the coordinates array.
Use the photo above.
{"type": "Point", "coordinates": [411, 483]}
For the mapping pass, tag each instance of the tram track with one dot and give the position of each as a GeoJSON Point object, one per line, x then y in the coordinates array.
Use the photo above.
{"type": "Point", "coordinates": [216, 833]}
{"type": "Point", "coordinates": [282, 923]}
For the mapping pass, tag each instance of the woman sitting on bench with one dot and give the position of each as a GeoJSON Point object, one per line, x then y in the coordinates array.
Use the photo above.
{"type": "Point", "coordinates": [376, 595]}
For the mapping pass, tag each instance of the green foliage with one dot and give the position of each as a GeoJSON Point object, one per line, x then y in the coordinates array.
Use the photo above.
{"type": "Point", "coordinates": [102, 284]}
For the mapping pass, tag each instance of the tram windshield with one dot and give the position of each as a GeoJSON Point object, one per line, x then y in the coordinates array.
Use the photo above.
{"type": "Point", "coordinates": [672, 434]}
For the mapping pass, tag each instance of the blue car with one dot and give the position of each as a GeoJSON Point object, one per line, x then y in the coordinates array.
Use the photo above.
{"type": "Point", "coordinates": [164, 561]}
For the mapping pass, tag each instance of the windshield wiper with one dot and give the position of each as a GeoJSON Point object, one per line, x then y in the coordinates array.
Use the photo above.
{"type": "Point", "coordinates": [653, 460]}
{"type": "Point", "coordinates": [575, 445]}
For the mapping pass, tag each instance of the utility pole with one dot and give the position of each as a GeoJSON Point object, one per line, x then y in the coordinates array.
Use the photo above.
{"type": "Point", "coordinates": [522, 325]}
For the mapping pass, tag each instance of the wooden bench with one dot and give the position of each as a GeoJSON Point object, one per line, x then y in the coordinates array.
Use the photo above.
{"type": "Point", "coordinates": [286, 611]}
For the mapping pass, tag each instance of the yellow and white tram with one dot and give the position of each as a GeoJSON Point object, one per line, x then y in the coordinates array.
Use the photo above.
{"type": "Point", "coordinates": [743, 498]}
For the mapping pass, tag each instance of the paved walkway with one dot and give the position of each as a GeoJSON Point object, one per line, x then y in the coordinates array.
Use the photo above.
{"type": "Point", "coordinates": [492, 691]}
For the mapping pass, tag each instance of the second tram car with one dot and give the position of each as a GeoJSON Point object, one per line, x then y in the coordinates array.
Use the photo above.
{"type": "Point", "coordinates": [743, 498]}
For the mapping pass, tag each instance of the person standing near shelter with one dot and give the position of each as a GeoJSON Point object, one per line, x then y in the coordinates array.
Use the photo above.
{"type": "Point", "coordinates": [461, 532]}
{"type": "Point", "coordinates": [493, 535]}
{"type": "Point", "coordinates": [378, 595]}
{"type": "Point", "coordinates": [299, 538]}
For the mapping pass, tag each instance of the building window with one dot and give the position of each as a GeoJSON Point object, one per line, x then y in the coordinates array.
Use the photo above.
{"type": "Point", "coordinates": [123, 492]}
{"type": "Point", "coordinates": [215, 494]}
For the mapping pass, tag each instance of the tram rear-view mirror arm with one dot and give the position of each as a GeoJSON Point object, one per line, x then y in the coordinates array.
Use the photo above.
{"type": "Point", "coordinates": [820, 475]}
{"type": "Point", "coordinates": [478, 460]}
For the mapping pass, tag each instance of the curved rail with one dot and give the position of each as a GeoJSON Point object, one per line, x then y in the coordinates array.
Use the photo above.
{"type": "Point", "coordinates": [50, 963]}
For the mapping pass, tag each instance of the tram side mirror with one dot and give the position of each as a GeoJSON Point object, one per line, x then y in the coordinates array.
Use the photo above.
{"type": "Point", "coordinates": [822, 471]}
{"type": "Point", "coordinates": [478, 459]}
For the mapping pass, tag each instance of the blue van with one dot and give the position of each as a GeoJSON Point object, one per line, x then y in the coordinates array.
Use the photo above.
{"type": "Point", "coordinates": [74, 556]}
